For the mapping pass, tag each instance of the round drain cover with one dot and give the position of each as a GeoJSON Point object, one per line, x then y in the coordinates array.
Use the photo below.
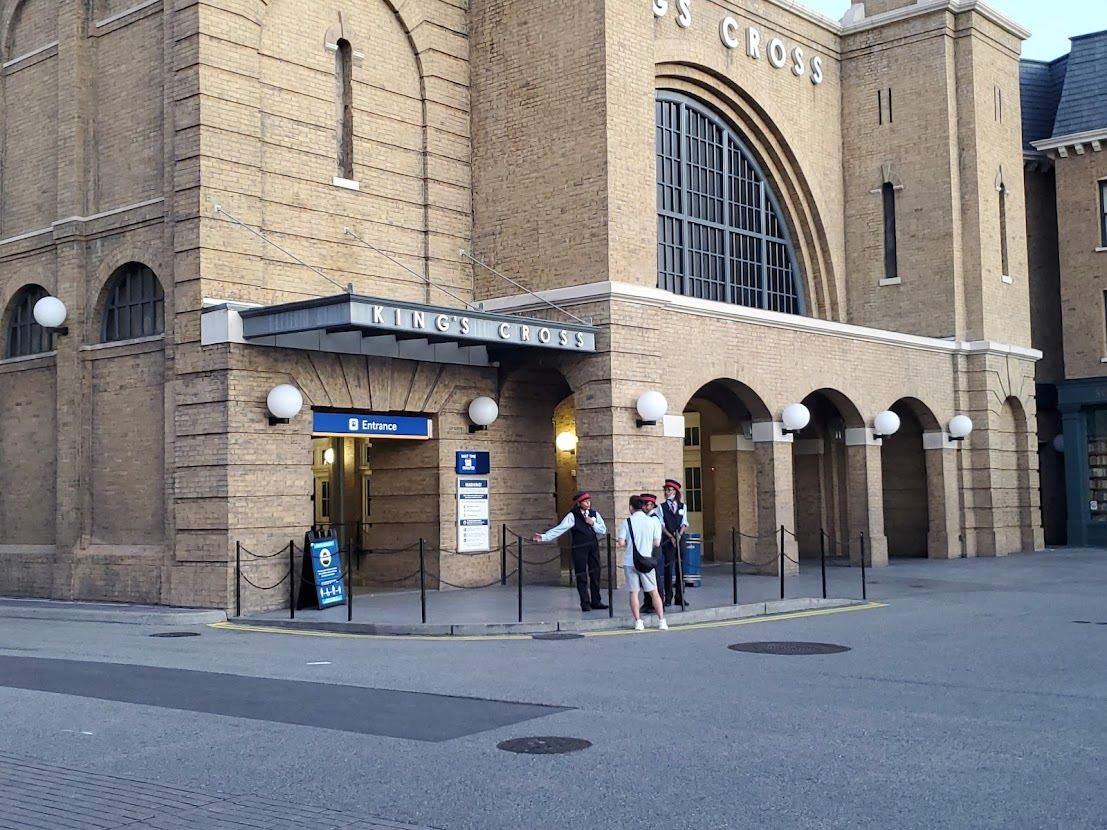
{"type": "Point", "coordinates": [788, 648]}
{"type": "Point", "coordinates": [557, 635]}
{"type": "Point", "coordinates": [544, 746]}
{"type": "Point", "coordinates": [176, 634]}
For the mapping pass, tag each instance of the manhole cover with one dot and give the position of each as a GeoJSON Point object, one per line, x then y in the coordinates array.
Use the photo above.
{"type": "Point", "coordinates": [544, 746]}
{"type": "Point", "coordinates": [1083, 622]}
{"type": "Point", "coordinates": [557, 635]}
{"type": "Point", "coordinates": [176, 634]}
{"type": "Point", "coordinates": [788, 648]}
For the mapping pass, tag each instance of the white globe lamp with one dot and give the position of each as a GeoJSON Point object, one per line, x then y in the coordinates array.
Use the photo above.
{"type": "Point", "coordinates": [1058, 442]}
{"type": "Point", "coordinates": [651, 407]}
{"type": "Point", "coordinates": [566, 441]}
{"type": "Point", "coordinates": [482, 412]}
{"type": "Point", "coordinates": [49, 312]}
{"type": "Point", "coordinates": [959, 427]}
{"type": "Point", "coordinates": [795, 417]}
{"type": "Point", "coordinates": [284, 402]}
{"type": "Point", "coordinates": [885, 424]}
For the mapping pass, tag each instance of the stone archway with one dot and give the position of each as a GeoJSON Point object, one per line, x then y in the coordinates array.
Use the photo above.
{"type": "Point", "coordinates": [905, 474]}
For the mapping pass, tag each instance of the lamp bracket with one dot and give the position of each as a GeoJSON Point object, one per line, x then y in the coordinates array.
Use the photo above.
{"type": "Point", "coordinates": [273, 421]}
{"type": "Point", "coordinates": [475, 428]}
{"type": "Point", "coordinates": [642, 423]}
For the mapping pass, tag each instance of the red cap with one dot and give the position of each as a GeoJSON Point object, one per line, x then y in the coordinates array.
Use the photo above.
{"type": "Point", "coordinates": [648, 497]}
{"type": "Point", "coordinates": [579, 497]}
{"type": "Point", "coordinates": [672, 483]}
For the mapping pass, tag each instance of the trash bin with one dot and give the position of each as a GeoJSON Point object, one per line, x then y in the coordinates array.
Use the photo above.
{"type": "Point", "coordinates": [691, 557]}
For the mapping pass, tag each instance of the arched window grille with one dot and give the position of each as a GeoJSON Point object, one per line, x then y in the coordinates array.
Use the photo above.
{"type": "Point", "coordinates": [135, 304]}
{"type": "Point", "coordinates": [25, 336]}
{"type": "Point", "coordinates": [720, 235]}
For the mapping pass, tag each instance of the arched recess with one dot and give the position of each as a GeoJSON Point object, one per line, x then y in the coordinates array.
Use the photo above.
{"type": "Point", "coordinates": [1012, 517]}
{"type": "Point", "coordinates": [820, 477]}
{"type": "Point", "coordinates": [720, 469]}
{"type": "Point", "coordinates": [780, 165]}
{"type": "Point", "coordinates": [22, 336]}
{"type": "Point", "coordinates": [390, 128]}
{"type": "Point", "coordinates": [905, 473]}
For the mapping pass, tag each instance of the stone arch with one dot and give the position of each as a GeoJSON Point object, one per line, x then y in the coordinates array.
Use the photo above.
{"type": "Point", "coordinates": [26, 26]}
{"type": "Point", "coordinates": [1012, 513]}
{"type": "Point", "coordinates": [101, 283]}
{"type": "Point", "coordinates": [42, 339]}
{"type": "Point", "coordinates": [905, 476]}
{"type": "Point", "coordinates": [780, 164]}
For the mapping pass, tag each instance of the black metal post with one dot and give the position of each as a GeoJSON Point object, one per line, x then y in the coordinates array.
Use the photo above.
{"type": "Point", "coordinates": [350, 582]}
{"type": "Point", "coordinates": [782, 561]}
{"type": "Point", "coordinates": [822, 557]}
{"type": "Point", "coordinates": [291, 579]}
{"type": "Point", "coordinates": [238, 579]}
{"type": "Point", "coordinates": [610, 581]}
{"type": "Point", "coordinates": [503, 554]}
{"type": "Point", "coordinates": [519, 577]}
{"type": "Point", "coordinates": [680, 572]}
{"type": "Point", "coordinates": [864, 592]}
{"type": "Point", "coordinates": [423, 581]}
{"type": "Point", "coordinates": [734, 561]}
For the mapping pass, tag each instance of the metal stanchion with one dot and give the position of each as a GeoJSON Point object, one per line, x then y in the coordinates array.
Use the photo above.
{"type": "Point", "coordinates": [610, 582]}
{"type": "Point", "coordinates": [291, 579]}
{"type": "Point", "coordinates": [782, 561]}
{"type": "Point", "coordinates": [822, 557]}
{"type": "Point", "coordinates": [238, 579]}
{"type": "Point", "coordinates": [734, 561]}
{"type": "Point", "coordinates": [680, 574]}
{"type": "Point", "coordinates": [519, 577]}
{"type": "Point", "coordinates": [423, 581]}
{"type": "Point", "coordinates": [864, 592]}
{"type": "Point", "coordinates": [350, 584]}
{"type": "Point", "coordinates": [503, 554]}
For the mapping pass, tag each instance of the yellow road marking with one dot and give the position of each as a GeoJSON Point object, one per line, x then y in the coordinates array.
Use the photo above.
{"type": "Point", "coordinates": [794, 615]}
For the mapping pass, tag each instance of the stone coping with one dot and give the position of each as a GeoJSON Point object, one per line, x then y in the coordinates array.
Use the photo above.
{"type": "Point", "coordinates": [106, 612]}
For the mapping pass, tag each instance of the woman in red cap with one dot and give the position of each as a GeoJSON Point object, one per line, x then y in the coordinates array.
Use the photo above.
{"type": "Point", "coordinates": [584, 526]}
{"type": "Point", "coordinates": [674, 521]}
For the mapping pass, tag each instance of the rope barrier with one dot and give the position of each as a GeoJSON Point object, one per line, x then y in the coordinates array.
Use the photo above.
{"type": "Point", "coordinates": [259, 587]}
{"type": "Point", "coordinates": [282, 552]}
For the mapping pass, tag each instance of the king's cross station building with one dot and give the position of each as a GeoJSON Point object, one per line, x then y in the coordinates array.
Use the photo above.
{"type": "Point", "coordinates": [269, 265]}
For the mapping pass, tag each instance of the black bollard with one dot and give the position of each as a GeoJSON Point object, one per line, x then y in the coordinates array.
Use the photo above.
{"type": "Point", "coordinates": [782, 561]}
{"type": "Point", "coordinates": [291, 579]}
{"type": "Point", "coordinates": [734, 561]}
{"type": "Point", "coordinates": [238, 579]}
{"type": "Point", "coordinates": [519, 575]}
{"type": "Point", "coordinates": [503, 554]}
{"type": "Point", "coordinates": [610, 582]}
{"type": "Point", "coordinates": [822, 557]}
{"type": "Point", "coordinates": [350, 585]}
{"type": "Point", "coordinates": [423, 581]}
{"type": "Point", "coordinates": [864, 592]}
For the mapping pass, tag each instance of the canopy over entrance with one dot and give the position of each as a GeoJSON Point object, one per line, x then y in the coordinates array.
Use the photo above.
{"type": "Point", "coordinates": [355, 324]}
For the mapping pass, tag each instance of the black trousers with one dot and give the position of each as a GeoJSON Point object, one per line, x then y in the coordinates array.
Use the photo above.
{"type": "Point", "coordinates": [586, 566]}
{"type": "Point", "coordinates": [671, 553]}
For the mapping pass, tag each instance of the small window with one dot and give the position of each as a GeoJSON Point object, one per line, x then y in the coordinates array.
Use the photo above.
{"type": "Point", "coordinates": [135, 306]}
{"type": "Point", "coordinates": [1003, 229]}
{"type": "Point", "coordinates": [693, 492]}
{"type": "Point", "coordinates": [691, 436]}
{"type": "Point", "coordinates": [1103, 213]}
{"type": "Point", "coordinates": [25, 336]}
{"type": "Point", "coordinates": [891, 266]}
{"type": "Point", "coordinates": [344, 66]}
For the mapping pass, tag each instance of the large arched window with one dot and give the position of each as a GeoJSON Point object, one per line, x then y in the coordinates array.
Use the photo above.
{"type": "Point", "coordinates": [25, 336]}
{"type": "Point", "coordinates": [135, 305]}
{"type": "Point", "coordinates": [719, 230]}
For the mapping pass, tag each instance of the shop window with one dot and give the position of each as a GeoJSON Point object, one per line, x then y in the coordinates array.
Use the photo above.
{"type": "Point", "coordinates": [135, 305]}
{"type": "Point", "coordinates": [1003, 228]}
{"type": "Point", "coordinates": [720, 231]}
{"type": "Point", "coordinates": [25, 336]}
{"type": "Point", "coordinates": [1103, 213]}
{"type": "Point", "coordinates": [344, 65]}
{"type": "Point", "coordinates": [891, 264]}
{"type": "Point", "coordinates": [1097, 463]}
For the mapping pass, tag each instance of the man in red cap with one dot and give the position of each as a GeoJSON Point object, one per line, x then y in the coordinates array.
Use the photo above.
{"type": "Point", "coordinates": [674, 521]}
{"type": "Point", "coordinates": [584, 526]}
{"type": "Point", "coordinates": [650, 508]}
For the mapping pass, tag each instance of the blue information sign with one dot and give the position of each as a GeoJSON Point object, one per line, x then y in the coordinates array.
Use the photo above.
{"type": "Point", "coordinates": [472, 463]}
{"type": "Point", "coordinates": [326, 572]}
{"type": "Point", "coordinates": [370, 425]}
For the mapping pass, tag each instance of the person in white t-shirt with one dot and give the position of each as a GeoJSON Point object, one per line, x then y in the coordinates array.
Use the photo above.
{"type": "Point", "coordinates": [642, 532]}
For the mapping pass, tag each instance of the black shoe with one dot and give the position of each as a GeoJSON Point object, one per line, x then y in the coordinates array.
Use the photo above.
{"type": "Point", "coordinates": [586, 608]}
{"type": "Point", "coordinates": [599, 606]}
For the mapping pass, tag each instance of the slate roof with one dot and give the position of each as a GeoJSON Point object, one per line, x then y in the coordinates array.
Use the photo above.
{"type": "Point", "coordinates": [1068, 95]}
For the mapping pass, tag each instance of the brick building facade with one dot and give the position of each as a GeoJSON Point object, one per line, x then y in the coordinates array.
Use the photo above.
{"type": "Point", "coordinates": [740, 205]}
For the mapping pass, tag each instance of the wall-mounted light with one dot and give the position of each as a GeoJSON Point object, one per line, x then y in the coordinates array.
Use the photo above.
{"type": "Point", "coordinates": [328, 455]}
{"type": "Point", "coordinates": [482, 412]}
{"type": "Point", "coordinates": [1058, 442]}
{"type": "Point", "coordinates": [284, 402]}
{"type": "Point", "coordinates": [566, 441]}
{"type": "Point", "coordinates": [652, 407]}
{"type": "Point", "coordinates": [959, 427]}
{"type": "Point", "coordinates": [795, 417]}
{"type": "Point", "coordinates": [886, 424]}
{"type": "Point", "coordinates": [49, 312]}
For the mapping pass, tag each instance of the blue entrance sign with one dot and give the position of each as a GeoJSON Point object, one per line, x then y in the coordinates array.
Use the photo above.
{"type": "Point", "coordinates": [472, 463]}
{"type": "Point", "coordinates": [326, 572]}
{"type": "Point", "coordinates": [370, 425]}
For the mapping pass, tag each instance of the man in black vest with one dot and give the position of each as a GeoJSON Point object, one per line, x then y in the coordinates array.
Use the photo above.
{"type": "Point", "coordinates": [584, 526]}
{"type": "Point", "coordinates": [674, 520]}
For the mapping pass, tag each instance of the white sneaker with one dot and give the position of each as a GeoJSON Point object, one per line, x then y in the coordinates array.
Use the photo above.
{"type": "Point", "coordinates": [663, 625]}
{"type": "Point", "coordinates": [639, 625]}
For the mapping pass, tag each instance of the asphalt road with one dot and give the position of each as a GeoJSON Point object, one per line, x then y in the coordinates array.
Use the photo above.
{"type": "Point", "coordinates": [976, 698]}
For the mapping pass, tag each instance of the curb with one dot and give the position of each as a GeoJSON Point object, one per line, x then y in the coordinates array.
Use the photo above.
{"type": "Point", "coordinates": [700, 615]}
{"type": "Point", "coordinates": [107, 613]}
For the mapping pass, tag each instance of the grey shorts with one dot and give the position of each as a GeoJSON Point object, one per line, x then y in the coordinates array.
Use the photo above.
{"type": "Point", "coordinates": [637, 581]}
